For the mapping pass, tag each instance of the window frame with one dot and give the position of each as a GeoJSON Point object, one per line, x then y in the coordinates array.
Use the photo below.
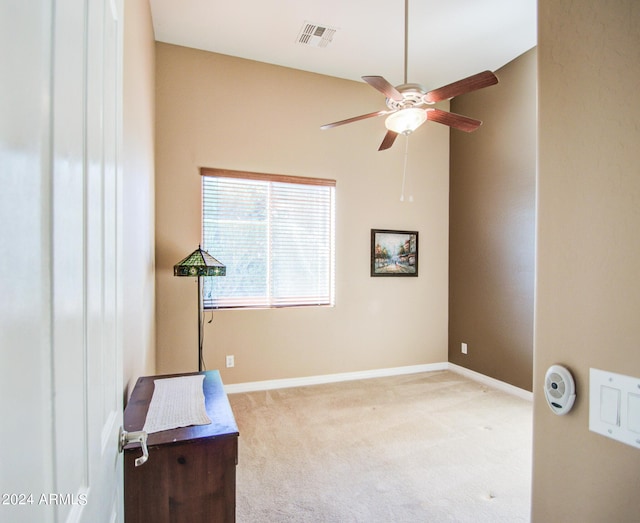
{"type": "Point", "coordinates": [211, 172]}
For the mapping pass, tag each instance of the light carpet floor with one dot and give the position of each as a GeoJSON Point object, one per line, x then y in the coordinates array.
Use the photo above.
{"type": "Point", "coordinates": [430, 447]}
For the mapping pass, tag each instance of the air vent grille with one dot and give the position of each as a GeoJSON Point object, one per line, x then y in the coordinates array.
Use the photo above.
{"type": "Point", "coordinates": [316, 35]}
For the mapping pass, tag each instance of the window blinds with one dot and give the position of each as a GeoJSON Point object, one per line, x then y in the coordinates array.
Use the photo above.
{"type": "Point", "coordinates": [276, 236]}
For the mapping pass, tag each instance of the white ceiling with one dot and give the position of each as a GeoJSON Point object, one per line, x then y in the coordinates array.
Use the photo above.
{"type": "Point", "coordinates": [447, 39]}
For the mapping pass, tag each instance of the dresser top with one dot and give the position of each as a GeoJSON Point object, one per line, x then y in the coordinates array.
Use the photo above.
{"type": "Point", "coordinates": [218, 409]}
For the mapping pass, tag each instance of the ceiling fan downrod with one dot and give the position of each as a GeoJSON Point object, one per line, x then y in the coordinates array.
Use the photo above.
{"type": "Point", "coordinates": [406, 39]}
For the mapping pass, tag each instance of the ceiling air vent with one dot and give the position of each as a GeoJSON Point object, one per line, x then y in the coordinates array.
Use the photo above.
{"type": "Point", "coordinates": [315, 35]}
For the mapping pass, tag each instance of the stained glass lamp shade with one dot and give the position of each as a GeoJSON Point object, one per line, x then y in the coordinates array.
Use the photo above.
{"type": "Point", "coordinates": [198, 264]}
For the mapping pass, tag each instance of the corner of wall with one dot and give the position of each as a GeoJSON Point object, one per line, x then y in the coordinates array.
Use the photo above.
{"type": "Point", "coordinates": [139, 338]}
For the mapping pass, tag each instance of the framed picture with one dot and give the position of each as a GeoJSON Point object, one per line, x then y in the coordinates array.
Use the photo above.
{"type": "Point", "coordinates": [394, 253]}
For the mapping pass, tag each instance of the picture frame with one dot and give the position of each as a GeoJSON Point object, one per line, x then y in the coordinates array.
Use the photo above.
{"type": "Point", "coordinates": [394, 253]}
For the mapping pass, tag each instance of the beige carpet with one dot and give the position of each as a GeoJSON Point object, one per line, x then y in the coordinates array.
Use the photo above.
{"type": "Point", "coordinates": [430, 447]}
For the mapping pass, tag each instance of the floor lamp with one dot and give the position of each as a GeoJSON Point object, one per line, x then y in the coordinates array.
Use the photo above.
{"type": "Point", "coordinates": [199, 263]}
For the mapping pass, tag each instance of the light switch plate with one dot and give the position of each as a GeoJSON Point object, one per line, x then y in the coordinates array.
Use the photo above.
{"type": "Point", "coordinates": [614, 406]}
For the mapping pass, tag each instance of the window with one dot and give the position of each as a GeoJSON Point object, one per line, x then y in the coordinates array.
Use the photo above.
{"type": "Point", "coordinates": [276, 236]}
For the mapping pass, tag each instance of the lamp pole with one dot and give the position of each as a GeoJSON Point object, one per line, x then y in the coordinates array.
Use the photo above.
{"type": "Point", "coordinates": [199, 323]}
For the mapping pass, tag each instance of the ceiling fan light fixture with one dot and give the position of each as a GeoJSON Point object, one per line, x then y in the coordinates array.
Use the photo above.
{"type": "Point", "coordinates": [406, 120]}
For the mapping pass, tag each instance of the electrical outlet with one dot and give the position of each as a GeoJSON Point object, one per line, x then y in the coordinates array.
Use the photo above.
{"type": "Point", "coordinates": [230, 361]}
{"type": "Point", "coordinates": [463, 348]}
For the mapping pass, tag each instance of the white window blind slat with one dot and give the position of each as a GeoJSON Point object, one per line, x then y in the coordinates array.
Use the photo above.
{"type": "Point", "coordinates": [276, 238]}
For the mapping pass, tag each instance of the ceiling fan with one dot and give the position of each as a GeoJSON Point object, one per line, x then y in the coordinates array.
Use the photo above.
{"type": "Point", "coordinates": [408, 104]}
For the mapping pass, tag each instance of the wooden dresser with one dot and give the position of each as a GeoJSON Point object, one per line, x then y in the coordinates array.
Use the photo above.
{"type": "Point", "coordinates": [190, 475]}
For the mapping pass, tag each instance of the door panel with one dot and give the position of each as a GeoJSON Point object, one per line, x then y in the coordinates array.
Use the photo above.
{"type": "Point", "coordinates": [103, 255]}
{"type": "Point", "coordinates": [67, 261]}
{"type": "Point", "coordinates": [60, 255]}
{"type": "Point", "coordinates": [102, 264]}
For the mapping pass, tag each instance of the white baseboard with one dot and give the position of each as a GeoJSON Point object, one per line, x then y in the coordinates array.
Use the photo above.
{"type": "Point", "coordinates": [332, 378]}
{"type": "Point", "coordinates": [377, 373]}
{"type": "Point", "coordinates": [491, 382]}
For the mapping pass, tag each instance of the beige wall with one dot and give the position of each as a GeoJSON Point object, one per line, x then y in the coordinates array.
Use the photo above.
{"type": "Point", "coordinates": [219, 111]}
{"type": "Point", "coordinates": [588, 247]}
{"type": "Point", "coordinates": [138, 194]}
{"type": "Point", "coordinates": [492, 227]}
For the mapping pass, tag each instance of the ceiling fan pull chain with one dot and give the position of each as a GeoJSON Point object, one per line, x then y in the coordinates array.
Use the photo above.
{"type": "Point", "coordinates": [404, 171]}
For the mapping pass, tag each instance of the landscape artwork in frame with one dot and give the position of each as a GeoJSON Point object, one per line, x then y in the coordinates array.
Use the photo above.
{"type": "Point", "coordinates": [394, 253]}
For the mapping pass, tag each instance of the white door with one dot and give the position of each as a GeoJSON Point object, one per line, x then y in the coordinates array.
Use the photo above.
{"type": "Point", "coordinates": [61, 271]}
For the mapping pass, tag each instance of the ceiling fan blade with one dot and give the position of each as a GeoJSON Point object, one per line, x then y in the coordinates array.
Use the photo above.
{"type": "Point", "coordinates": [389, 138]}
{"type": "Point", "coordinates": [466, 85]}
{"type": "Point", "coordinates": [354, 119]}
{"type": "Point", "coordinates": [384, 87]}
{"type": "Point", "coordinates": [457, 121]}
